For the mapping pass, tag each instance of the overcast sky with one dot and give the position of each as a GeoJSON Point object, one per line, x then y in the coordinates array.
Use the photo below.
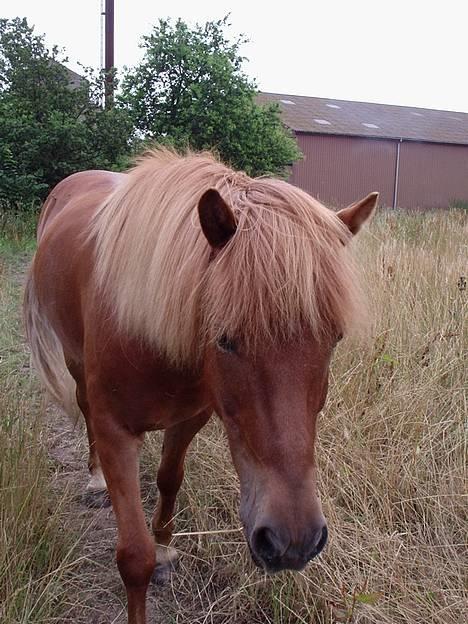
{"type": "Point", "coordinates": [410, 52]}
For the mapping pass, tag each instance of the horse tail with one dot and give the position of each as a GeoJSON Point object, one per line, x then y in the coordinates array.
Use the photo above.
{"type": "Point", "coordinates": [47, 356]}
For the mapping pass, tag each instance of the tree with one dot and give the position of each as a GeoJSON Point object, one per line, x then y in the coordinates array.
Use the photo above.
{"type": "Point", "coordinates": [48, 127]}
{"type": "Point", "coordinates": [190, 90]}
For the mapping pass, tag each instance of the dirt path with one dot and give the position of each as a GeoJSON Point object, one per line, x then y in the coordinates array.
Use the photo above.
{"type": "Point", "coordinates": [99, 597]}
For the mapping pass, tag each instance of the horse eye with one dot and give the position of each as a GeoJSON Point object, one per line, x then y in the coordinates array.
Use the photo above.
{"type": "Point", "coordinates": [227, 345]}
{"type": "Point", "coordinates": [339, 337]}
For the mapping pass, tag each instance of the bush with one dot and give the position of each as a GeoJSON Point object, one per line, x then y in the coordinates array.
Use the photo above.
{"type": "Point", "coordinates": [50, 127]}
{"type": "Point", "coordinates": [189, 90]}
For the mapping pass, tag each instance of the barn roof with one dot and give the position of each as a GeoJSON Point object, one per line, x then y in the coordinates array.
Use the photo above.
{"type": "Point", "coordinates": [76, 80]}
{"type": "Point", "coordinates": [327, 116]}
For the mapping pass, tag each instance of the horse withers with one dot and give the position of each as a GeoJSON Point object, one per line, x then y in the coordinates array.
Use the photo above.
{"type": "Point", "coordinates": [183, 288]}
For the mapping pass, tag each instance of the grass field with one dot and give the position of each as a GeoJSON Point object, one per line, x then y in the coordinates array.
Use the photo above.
{"type": "Point", "coordinates": [34, 549]}
{"type": "Point", "coordinates": [391, 453]}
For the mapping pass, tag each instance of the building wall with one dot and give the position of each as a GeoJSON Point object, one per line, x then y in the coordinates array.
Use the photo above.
{"type": "Point", "coordinates": [432, 174]}
{"type": "Point", "coordinates": [339, 170]}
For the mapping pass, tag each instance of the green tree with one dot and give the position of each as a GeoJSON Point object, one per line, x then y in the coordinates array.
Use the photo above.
{"type": "Point", "coordinates": [190, 90]}
{"type": "Point", "coordinates": [50, 128]}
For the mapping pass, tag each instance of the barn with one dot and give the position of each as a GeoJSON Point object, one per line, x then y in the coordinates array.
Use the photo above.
{"type": "Point", "coordinates": [415, 157]}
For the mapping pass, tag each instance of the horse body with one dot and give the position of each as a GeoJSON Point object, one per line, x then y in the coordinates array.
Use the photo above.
{"type": "Point", "coordinates": [146, 393]}
{"type": "Point", "coordinates": [267, 381]}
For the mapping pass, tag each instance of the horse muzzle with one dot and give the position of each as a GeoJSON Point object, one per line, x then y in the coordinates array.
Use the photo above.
{"type": "Point", "coordinates": [273, 550]}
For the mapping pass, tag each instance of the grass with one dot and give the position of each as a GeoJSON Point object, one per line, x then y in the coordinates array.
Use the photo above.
{"type": "Point", "coordinates": [391, 454]}
{"type": "Point", "coordinates": [35, 552]}
{"type": "Point", "coordinates": [18, 227]}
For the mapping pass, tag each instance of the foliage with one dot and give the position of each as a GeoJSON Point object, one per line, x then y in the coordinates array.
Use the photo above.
{"type": "Point", "coordinates": [190, 90]}
{"type": "Point", "coordinates": [459, 204]}
{"type": "Point", "coordinates": [49, 128]}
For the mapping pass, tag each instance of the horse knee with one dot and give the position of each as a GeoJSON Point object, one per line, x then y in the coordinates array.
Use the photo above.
{"type": "Point", "coordinates": [136, 562]}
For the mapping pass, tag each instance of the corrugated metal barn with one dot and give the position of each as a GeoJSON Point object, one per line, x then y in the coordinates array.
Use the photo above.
{"type": "Point", "coordinates": [415, 157]}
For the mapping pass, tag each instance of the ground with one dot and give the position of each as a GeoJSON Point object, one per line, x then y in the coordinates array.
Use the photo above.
{"type": "Point", "coordinates": [106, 602]}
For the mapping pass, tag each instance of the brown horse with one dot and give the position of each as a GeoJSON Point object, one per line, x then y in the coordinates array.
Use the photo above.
{"type": "Point", "coordinates": [183, 288]}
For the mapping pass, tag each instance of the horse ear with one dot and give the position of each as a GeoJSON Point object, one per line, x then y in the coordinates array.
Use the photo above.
{"type": "Point", "coordinates": [216, 219]}
{"type": "Point", "coordinates": [357, 214]}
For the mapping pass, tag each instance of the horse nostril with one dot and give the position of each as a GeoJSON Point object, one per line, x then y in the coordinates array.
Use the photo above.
{"type": "Point", "coordinates": [266, 544]}
{"type": "Point", "coordinates": [322, 535]}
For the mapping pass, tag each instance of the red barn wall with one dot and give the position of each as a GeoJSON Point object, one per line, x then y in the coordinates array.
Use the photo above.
{"type": "Point", "coordinates": [432, 174]}
{"type": "Point", "coordinates": [340, 169]}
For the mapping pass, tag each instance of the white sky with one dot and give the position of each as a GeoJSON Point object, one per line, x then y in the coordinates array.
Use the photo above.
{"type": "Point", "coordinates": [410, 52]}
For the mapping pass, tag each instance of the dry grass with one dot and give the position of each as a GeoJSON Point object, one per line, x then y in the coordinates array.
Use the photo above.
{"type": "Point", "coordinates": [35, 553]}
{"type": "Point", "coordinates": [392, 457]}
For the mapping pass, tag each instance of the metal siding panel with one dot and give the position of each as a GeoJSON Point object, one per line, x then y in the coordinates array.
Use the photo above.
{"type": "Point", "coordinates": [339, 170]}
{"type": "Point", "coordinates": [432, 175]}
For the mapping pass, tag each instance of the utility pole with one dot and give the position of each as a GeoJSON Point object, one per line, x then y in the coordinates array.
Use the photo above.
{"type": "Point", "coordinates": [109, 53]}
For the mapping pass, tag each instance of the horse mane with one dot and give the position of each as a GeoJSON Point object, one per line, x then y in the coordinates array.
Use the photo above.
{"type": "Point", "coordinates": [285, 268]}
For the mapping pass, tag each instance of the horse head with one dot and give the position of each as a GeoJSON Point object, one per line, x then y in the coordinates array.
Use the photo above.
{"type": "Point", "coordinates": [269, 398]}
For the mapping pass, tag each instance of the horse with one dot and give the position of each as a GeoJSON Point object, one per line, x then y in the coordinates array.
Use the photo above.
{"type": "Point", "coordinates": [180, 289]}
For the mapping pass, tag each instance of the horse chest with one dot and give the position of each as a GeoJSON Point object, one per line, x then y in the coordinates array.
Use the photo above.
{"type": "Point", "coordinates": [146, 396]}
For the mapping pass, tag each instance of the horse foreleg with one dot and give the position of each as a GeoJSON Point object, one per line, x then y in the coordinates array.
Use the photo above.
{"type": "Point", "coordinates": [119, 454]}
{"type": "Point", "coordinates": [170, 475]}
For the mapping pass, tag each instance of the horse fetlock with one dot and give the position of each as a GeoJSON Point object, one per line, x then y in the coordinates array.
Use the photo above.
{"type": "Point", "coordinates": [162, 536]}
{"type": "Point", "coordinates": [97, 481]}
{"type": "Point", "coordinates": [165, 555]}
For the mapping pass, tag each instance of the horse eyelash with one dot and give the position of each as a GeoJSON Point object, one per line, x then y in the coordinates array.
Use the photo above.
{"type": "Point", "coordinates": [226, 345]}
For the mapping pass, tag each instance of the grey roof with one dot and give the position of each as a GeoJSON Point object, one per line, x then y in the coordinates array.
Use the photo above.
{"type": "Point", "coordinates": [327, 116]}
{"type": "Point", "coordinates": [76, 80]}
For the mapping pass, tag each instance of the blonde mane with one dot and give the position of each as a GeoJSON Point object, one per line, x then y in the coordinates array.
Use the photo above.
{"type": "Point", "coordinates": [284, 269]}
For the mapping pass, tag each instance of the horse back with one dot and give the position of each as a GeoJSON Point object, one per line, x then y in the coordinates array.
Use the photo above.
{"type": "Point", "coordinates": [86, 187]}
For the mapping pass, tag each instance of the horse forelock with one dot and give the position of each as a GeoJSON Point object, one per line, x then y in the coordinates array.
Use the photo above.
{"type": "Point", "coordinates": [286, 266]}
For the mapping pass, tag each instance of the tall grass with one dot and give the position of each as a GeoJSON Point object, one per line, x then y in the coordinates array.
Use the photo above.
{"type": "Point", "coordinates": [459, 204]}
{"type": "Point", "coordinates": [35, 551]}
{"type": "Point", "coordinates": [18, 227]}
{"type": "Point", "coordinates": [391, 454]}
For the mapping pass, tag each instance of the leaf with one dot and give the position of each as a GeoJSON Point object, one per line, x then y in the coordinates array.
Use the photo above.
{"type": "Point", "coordinates": [387, 359]}
{"type": "Point", "coordinates": [367, 598]}
{"type": "Point", "coordinates": [50, 127]}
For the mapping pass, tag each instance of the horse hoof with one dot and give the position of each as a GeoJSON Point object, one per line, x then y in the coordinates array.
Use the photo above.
{"type": "Point", "coordinates": [96, 499]}
{"type": "Point", "coordinates": [162, 574]}
{"type": "Point", "coordinates": [166, 558]}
